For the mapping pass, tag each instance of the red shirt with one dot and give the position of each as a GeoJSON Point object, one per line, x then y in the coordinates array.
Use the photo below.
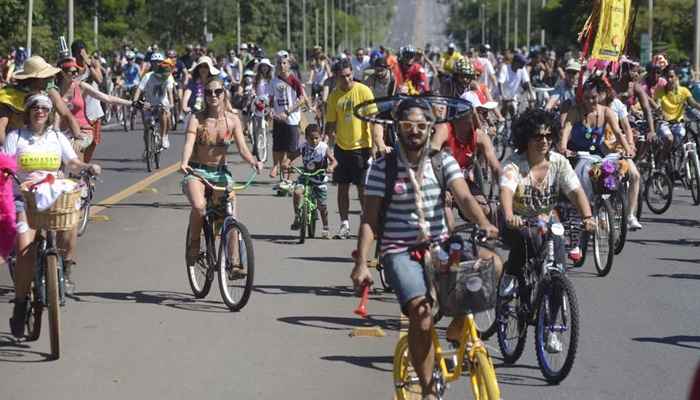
{"type": "Point", "coordinates": [462, 152]}
{"type": "Point", "coordinates": [415, 73]}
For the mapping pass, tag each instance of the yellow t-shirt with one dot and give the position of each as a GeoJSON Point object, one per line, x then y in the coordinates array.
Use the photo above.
{"type": "Point", "coordinates": [351, 133]}
{"type": "Point", "coordinates": [448, 61]}
{"type": "Point", "coordinates": [673, 103]}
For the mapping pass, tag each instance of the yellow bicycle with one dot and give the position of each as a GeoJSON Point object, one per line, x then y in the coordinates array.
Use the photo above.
{"type": "Point", "coordinates": [471, 349]}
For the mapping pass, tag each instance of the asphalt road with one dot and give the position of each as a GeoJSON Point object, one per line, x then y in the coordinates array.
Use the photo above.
{"type": "Point", "coordinates": [134, 331]}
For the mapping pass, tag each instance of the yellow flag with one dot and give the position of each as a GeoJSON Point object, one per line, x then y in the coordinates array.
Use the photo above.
{"type": "Point", "coordinates": [612, 29]}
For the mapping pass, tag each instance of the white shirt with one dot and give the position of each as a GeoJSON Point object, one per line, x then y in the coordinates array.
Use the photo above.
{"type": "Point", "coordinates": [512, 81]}
{"type": "Point", "coordinates": [155, 90]}
{"type": "Point", "coordinates": [359, 67]}
{"type": "Point", "coordinates": [487, 73]}
{"type": "Point", "coordinates": [38, 156]}
{"type": "Point", "coordinates": [284, 99]}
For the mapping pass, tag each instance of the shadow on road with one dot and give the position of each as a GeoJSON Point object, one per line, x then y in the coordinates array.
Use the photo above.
{"type": "Point", "coordinates": [680, 221]}
{"type": "Point", "coordinates": [673, 242]}
{"type": "Point", "coordinates": [181, 301]}
{"type": "Point", "coordinates": [342, 323]}
{"type": "Point", "coordinates": [118, 160]}
{"type": "Point", "coordinates": [678, 340]}
{"type": "Point", "coordinates": [336, 291]}
{"type": "Point", "coordinates": [676, 276]}
{"type": "Point", "coordinates": [343, 260]}
{"type": "Point", "coordinates": [684, 260]}
{"type": "Point", "coordinates": [379, 363]}
{"type": "Point", "coordinates": [155, 204]}
{"type": "Point", "coordinates": [278, 239]}
{"type": "Point", "coordinates": [125, 169]}
{"type": "Point", "coordinates": [17, 351]}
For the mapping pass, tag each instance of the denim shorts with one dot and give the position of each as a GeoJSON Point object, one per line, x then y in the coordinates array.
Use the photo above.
{"type": "Point", "coordinates": [405, 277]}
{"type": "Point", "coordinates": [666, 129]}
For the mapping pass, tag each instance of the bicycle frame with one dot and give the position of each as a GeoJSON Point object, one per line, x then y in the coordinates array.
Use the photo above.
{"type": "Point", "coordinates": [46, 246]}
{"type": "Point", "coordinates": [469, 336]}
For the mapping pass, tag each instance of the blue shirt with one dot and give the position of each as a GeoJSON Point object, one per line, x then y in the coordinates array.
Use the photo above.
{"type": "Point", "coordinates": [131, 75]}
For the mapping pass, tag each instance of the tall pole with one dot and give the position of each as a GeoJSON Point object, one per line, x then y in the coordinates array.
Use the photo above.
{"type": "Point", "coordinates": [289, 33]}
{"type": "Point", "coordinates": [325, 24]}
{"type": "Point", "coordinates": [206, 32]}
{"type": "Point", "coordinates": [238, 24]}
{"type": "Point", "coordinates": [515, 25]}
{"type": "Point", "coordinates": [542, 32]}
{"type": "Point", "coordinates": [333, 25]}
{"type": "Point", "coordinates": [96, 27]}
{"type": "Point", "coordinates": [316, 29]}
{"type": "Point", "coordinates": [696, 52]}
{"type": "Point", "coordinates": [303, 32]}
{"type": "Point", "coordinates": [30, 17]}
{"type": "Point", "coordinates": [527, 22]}
{"type": "Point", "coordinates": [70, 22]}
{"type": "Point", "coordinates": [500, 25]}
{"type": "Point", "coordinates": [345, 20]}
{"type": "Point", "coordinates": [651, 27]}
{"type": "Point", "coordinates": [483, 23]}
{"type": "Point", "coordinates": [507, 35]}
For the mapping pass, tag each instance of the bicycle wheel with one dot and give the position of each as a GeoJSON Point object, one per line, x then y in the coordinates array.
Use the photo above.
{"type": "Point", "coordinates": [694, 180]}
{"type": "Point", "coordinates": [148, 140]}
{"type": "Point", "coordinates": [558, 315]}
{"type": "Point", "coordinates": [198, 275]}
{"type": "Point", "coordinates": [126, 115]}
{"type": "Point", "coordinates": [406, 383]}
{"type": "Point", "coordinates": [303, 220]}
{"type": "Point", "coordinates": [511, 329]}
{"type": "Point", "coordinates": [486, 377]}
{"type": "Point", "coordinates": [658, 192]}
{"type": "Point", "coordinates": [132, 116]}
{"type": "Point", "coordinates": [34, 312]}
{"type": "Point", "coordinates": [312, 224]}
{"type": "Point", "coordinates": [84, 216]}
{"type": "Point", "coordinates": [486, 323]}
{"type": "Point", "coordinates": [235, 251]}
{"type": "Point", "coordinates": [51, 264]}
{"type": "Point", "coordinates": [604, 237]}
{"type": "Point", "coordinates": [620, 209]}
{"type": "Point", "coordinates": [156, 149]}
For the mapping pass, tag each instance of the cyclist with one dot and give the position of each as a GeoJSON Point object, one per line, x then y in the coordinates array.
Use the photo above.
{"type": "Point", "coordinates": [130, 75]}
{"type": "Point", "coordinates": [39, 151]}
{"type": "Point", "coordinates": [157, 88]}
{"type": "Point", "coordinates": [315, 155]}
{"type": "Point", "coordinates": [209, 135]}
{"type": "Point", "coordinates": [359, 64]}
{"type": "Point", "coordinates": [410, 75]}
{"type": "Point", "coordinates": [533, 179]}
{"type": "Point", "coordinates": [488, 73]}
{"type": "Point", "coordinates": [320, 70]}
{"type": "Point", "coordinates": [234, 69]}
{"type": "Point", "coordinates": [672, 99]}
{"type": "Point", "coordinates": [415, 215]}
{"type": "Point", "coordinates": [512, 78]}
{"type": "Point", "coordinates": [193, 96]}
{"type": "Point", "coordinates": [564, 94]}
{"type": "Point", "coordinates": [447, 61]}
{"type": "Point", "coordinates": [381, 82]}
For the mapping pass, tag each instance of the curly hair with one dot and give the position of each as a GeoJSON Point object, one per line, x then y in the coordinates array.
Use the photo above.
{"type": "Point", "coordinates": [527, 125]}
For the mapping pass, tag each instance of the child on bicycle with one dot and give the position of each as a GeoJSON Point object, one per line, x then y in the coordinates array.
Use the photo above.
{"type": "Point", "coordinates": [315, 155]}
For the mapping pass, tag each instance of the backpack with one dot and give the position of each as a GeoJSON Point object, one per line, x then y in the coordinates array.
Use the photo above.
{"type": "Point", "coordinates": [391, 173]}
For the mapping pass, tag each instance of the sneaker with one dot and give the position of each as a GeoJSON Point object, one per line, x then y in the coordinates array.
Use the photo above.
{"type": "Point", "coordinates": [633, 223]}
{"type": "Point", "coordinates": [325, 233]}
{"type": "Point", "coordinates": [19, 315]}
{"type": "Point", "coordinates": [166, 142]}
{"type": "Point", "coordinates": [343, 232]}
{"type": "Point", "coordinates": [67, 272]}
{"type": "Point", "coordinates": [553, 345]}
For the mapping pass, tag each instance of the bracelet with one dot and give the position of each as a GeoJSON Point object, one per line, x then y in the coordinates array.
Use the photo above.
{"type": "Point", "coordinates": [588, 217]}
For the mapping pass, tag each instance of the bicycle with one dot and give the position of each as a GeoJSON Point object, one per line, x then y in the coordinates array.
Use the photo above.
{"type": "Point", "coordinates": [48, 287]}
{"type": "Point", "coordinates": [684, 165]}
{"type": "Point", "coordinates": [129, 114]}
{"type": "Point", "coordinates": [235, 243]}
{"type": "Point", "coordinates": [471, 349]}
{"type": "Point", "coordinates": [307, 213]}
{"type": "Point", "coordinates": [152, 138]}
{"type": "Point", "coordinates": [87, 185]}
{"type": "Point", "coordinates": [257, 126]}
{"type": "Point", "coordinates": [544, 298]}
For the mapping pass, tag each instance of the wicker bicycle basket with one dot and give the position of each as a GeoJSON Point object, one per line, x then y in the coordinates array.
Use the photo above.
{"type": "Point", "coordinates": [467, 288]}
{"type": "Point", "coordinates": [63, 215]}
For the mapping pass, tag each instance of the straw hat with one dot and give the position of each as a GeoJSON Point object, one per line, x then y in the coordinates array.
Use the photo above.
{"type": "Point", "coordinates": [36, 67]}
{"type": "Point", "coordinates": [206, 60]}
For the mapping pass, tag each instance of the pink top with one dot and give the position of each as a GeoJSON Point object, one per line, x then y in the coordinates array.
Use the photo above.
{"type": "Point", "coordinates": [76, 104]}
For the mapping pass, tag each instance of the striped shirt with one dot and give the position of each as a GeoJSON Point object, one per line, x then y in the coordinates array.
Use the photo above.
{"type": "Point", "coordinates": [401, 222]}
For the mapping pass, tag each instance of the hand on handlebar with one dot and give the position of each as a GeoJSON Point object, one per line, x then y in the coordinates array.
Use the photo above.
{"type": "Point", "coordinates": [185, 168]}
{"type": "Point", "coordinates": [514, 221]}
{"type": "Point", "coordinates": [95, 169]}
{"type": "Point", "coordinates": [589, 225]}
{"type": "Point", "coordinates": [259, 166]}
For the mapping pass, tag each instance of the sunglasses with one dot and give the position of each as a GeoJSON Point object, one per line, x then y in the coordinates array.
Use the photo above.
{"type": "Point", "coordinates": [71, 71]}
{"type": "Point", "coordinates": [38, 108]}
{"type": "Point", "coordinates": [216, 92]}
{"type": "Point", "coordinates": [548, 138]}
{"type": "Point", "coordinates": [409, 125]}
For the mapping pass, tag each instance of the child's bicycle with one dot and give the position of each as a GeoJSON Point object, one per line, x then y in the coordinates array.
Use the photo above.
{"type": "Point", "coordinates": [307, 214]}
{"type": "Point", "coordinates": [453, 284]}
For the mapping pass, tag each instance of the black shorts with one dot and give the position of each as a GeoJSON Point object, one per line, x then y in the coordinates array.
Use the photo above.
{"type": "Point", "coordinates": [285, 138]}
{"type": "Point", "coordinates": [352, 166]}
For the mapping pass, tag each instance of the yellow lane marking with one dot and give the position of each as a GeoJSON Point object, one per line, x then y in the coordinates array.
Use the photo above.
{"type": "Point", "coordinates": [148, 190]}
{"type": "Point", "coordinates": [135, 188]}
{"type": "Point", "coordinates": [99, 218]}
{"type": "Point", "coordinates": [374, 331]}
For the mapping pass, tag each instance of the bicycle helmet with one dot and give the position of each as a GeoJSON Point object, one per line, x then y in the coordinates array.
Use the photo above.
{"type": "Point", "coordinates": [129, 55]}
{"type": "Point", "coordinates": [464, 67]}
{"type": "Point", "coordinates": [140, 56]}
{"type": "Point", "coordinates": [407, 53]}
{"type": "Point", "coordinates": [157, 57]}
{"type": "Point", "coordinates": [172, 54]}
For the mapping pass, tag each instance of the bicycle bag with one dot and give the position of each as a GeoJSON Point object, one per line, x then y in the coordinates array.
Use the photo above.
{"type": "Point", "coordinates": [469, 287]}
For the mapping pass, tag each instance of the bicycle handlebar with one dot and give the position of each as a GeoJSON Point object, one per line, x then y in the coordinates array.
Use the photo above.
{"type": "Point", "coordinates": [8, 172]}
{"type": "Point", "coordinates": [304, 173]}
{"type": "Point", "coordinates": [216, 188]}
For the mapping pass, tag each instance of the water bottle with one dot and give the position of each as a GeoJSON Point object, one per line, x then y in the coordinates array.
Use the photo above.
{"type": "Point", "coordinates": [455, 253]}
{"type": "Point", "coordinates": [443, 259]}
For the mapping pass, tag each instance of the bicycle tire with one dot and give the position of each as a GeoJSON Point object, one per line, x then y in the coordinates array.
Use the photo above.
{"type": "Point", "coordinates": [303, 221]}
{"type": "Point", "coordinates": [131, 119]}
{"type": "Point", "coordinates": [84, 218]}
{"type": "Point", "coordinates": [406, 384]}
{"type": "Point", "coordinates": [620, 209]}
{"type": "Point", "coordinates": [125, 119]}
{"type": "Point", "coordinates": [200, 287]}
{"type": "Point", "coordinates": [486, 323]}
{"type": "Point", "coordinates": [694, 181]}
{"type": "Point", "coordinates": [34, 313]}
{"type": "Point", "coordinates": [658, 183]}
{"type": "Point", "coordinates": [236, 303]}
{"type": "Point", "coordinates": [507, 309]}
{"type": "Point", "coordinates": [561, 283]}
{"type": "Point", "coordinates": [486, 378]}
{"type": "Point", "coordinates": [51, 264]}
{"type": "Point", "coordinates": [149, 149]}
{"type": "Point", "coordinates": [156, 150]}
{"type": "Point", "coordinates": [312, 224]}
{"type": "Point", "coordinates": [262, 144]}
{"type": "Point", "coordinates": [604, 214]}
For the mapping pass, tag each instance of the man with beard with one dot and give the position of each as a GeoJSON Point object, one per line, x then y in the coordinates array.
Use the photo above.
{"type": "Point", "coordinates": [414, 215]}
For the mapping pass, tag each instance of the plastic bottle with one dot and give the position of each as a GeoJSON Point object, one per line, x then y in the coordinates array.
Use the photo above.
{"type": "Point", "coordinates": [455, 253]}
{"type": "Point", "coordinates": [443, 259]}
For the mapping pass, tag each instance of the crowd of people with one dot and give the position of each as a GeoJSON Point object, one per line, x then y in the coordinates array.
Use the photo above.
{"type": "Point", "coordinates": [51, 116]}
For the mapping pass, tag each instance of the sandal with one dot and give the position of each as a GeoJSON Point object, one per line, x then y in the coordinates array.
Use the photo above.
{"type": "Point", "coordinates": [193, 253]}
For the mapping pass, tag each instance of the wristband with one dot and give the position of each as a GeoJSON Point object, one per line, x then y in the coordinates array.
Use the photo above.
{"type": "Point", "coordinates": [588, 217]}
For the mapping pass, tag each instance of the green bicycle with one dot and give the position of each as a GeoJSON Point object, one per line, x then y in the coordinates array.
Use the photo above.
{"type": "Point", "coordinates": [307, 210]}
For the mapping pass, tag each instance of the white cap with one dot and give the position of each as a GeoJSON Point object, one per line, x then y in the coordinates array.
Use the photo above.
{"type": "Point", "coordinates": [476, 103]}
